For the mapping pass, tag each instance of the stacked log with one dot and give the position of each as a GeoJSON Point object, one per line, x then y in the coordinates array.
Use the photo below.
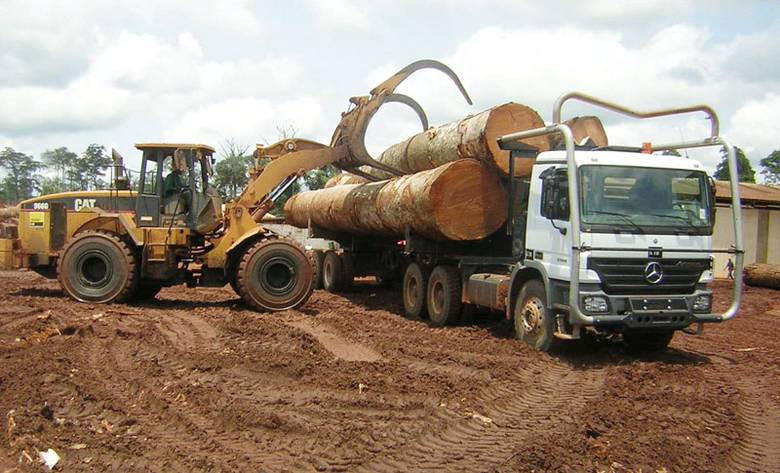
{"type": "Point", "coordinates": [344, 178]}
{"type": "Point", "coordinates": [460, 200]}
{"type": "Point", "coordinates": [762, 275]}
{"type": "Point", "coordinates": [473, 137]}
{"type": "Point", "coordinates": [583, 127]}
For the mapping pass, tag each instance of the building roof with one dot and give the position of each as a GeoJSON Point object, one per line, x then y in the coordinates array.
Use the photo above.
{"type": "Point", "coordinates": [750, 194]}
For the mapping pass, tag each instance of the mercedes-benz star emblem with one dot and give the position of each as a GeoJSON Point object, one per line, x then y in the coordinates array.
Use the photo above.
{"type": "Point", "coordinates": [654, 273]}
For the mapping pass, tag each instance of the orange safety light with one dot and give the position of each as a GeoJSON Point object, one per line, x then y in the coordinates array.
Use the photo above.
{"type": "Point", "coordinates": [647, 148]}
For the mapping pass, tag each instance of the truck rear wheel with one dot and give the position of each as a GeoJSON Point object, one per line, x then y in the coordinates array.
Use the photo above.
{"type": "Point", "coordinates": [318, 256]}
{"type": "Point", "coordinates": [648, 342]}
{"type": "Point", "coordinates": [275, 275]}
{"type": "Point", "coordinates": [534, 322]}
{"type": "Point", "coordinates": [348, 271]}
{"type": "Point", "coordinates": [414, 289]}
{"type": "Point", "coordinates": [444, 296]}
{"type": "Point", "coordinates": [97, 267]}
{"type": "Point", "coordinates": [332, 272]}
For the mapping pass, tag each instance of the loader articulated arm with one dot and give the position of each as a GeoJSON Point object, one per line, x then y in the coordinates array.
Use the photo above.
{"type": "Point", "coordinates": [291, 158]}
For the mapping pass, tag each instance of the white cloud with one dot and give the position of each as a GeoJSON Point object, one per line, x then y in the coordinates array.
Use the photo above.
{"type": "Point", "coordinates": [639, 9]}
{"type": "Point", "coordinates": [677, 66]}
{"type": "Point", "coordinates": [248, 121]}
{"type": "Point", "coordinates": [755, 127]}
{"type": "Point", "coordinates": [335, 14]}
{"type": "Point", "coordinates": [132, 76]}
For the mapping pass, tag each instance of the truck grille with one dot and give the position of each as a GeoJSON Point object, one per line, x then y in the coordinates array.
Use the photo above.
{"type": "Point", "coordinates": [627, 276]}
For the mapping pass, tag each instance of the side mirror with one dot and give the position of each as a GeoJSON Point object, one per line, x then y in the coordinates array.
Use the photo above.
{"type": "Point", "coordinates": [550, 195]}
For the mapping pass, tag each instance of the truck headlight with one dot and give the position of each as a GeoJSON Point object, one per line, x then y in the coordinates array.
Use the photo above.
{"type": "Point", "coordinates": [702, 303]}
{"type": "Point", "coordinates": [595, 304]}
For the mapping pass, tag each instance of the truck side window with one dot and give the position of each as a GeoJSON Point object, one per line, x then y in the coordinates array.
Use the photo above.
{"type": "Point", "coordinates": [555, 196]}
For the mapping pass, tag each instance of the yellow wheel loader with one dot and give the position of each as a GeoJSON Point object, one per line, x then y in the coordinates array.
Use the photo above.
{"type": "Point", "coordinates": [123, 245]}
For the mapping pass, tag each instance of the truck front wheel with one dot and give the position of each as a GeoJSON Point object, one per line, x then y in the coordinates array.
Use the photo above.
{"type": "Point", "coordinates": [534, 322]}
{"type": "Point", "coordinates": [414, 286]}
{"type": "Point", "coordinates": [444, 296]}
{"type": "Point", "coordinates": [275, 275]}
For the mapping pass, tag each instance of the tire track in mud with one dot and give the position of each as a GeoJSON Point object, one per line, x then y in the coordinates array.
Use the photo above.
{"type": "Point", "coordinates": [332, 341]}
{"type": "Point", "coordinates": [452, 440]}
{"type": "Point", "coordinates": [758, 448]}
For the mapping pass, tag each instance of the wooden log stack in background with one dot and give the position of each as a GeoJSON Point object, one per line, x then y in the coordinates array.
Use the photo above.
{"type": "Point", "coordinates": [762, 275]}
{"type": "Point", "coordinates": [461, 200]}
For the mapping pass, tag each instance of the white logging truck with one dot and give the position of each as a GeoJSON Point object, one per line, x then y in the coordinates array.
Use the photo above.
{"type": "Point", "coordinates": [613, 239]}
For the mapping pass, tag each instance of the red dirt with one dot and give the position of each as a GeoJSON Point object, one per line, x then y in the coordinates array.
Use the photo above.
{"type": "Point", "coordinates": [194, 381]}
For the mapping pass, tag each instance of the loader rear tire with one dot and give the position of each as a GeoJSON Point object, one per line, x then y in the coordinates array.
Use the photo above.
{"type": "Point", "coordinates": [98, 267]}
{"type": "Point", "coordinates": [275, 275]}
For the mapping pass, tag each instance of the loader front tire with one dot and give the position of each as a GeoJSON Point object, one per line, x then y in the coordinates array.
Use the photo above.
{"type": "Point", "coordinates": [275, 275]}
{"type": "Point", "coordinates": [98, 267]}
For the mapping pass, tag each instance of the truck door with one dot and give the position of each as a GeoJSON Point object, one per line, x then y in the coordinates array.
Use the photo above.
{"type": "Point", "coordinates": [553, 242]}
{"type": "Point", "coordinates": [147, 207]}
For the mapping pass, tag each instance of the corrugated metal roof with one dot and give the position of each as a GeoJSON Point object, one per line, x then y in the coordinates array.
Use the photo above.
{"type": "Point", "coordinates": [749, 193]}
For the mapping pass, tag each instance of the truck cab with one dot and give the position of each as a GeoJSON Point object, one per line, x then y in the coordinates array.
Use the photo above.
{"type": "Point", "coordinates": [615, 239]}
{"type": "Point", "coordinates": [644, 220]}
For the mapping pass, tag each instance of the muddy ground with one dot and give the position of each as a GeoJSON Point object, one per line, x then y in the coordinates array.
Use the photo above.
{"type": "Point", "coordinates": [193, 381]}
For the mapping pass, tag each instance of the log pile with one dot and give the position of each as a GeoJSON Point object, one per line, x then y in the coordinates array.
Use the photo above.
{"type": "Point", "coordinates": [762, 275]}
{"type": "Point", "coordinates": [461, 200]}
{"type": "Point", "coordinates": [451, 188]}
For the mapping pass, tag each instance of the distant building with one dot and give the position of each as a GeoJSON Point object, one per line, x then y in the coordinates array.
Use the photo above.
{"type": "Point", "coordinates": [760, 224]}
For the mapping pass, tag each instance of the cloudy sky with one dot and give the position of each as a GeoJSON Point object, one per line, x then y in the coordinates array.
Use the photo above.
{"type": "Point", "coordinates": [120, 72]}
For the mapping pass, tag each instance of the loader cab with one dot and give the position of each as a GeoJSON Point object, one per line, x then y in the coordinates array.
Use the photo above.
{"type": "Point", "coordinates": [174, 189]}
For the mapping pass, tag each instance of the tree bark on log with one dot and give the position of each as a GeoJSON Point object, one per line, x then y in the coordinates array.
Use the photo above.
{"type": "Point", "coordinates": [344, 178]}
{"type": "Point", "coordinates": [581, 128]}
{"type": "Point", "coordinates": [473, 137]}
{"type": "Point", "coordinates": [461, 200]}
{"type": "Point", "coordinates": [762, 275]}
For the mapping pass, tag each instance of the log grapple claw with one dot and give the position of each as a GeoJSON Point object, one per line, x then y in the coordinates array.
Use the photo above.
{"type": "Point", "coordinates": [351, 131]}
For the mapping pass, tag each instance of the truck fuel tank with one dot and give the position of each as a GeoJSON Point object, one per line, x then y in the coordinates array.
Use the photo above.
{"type": "Point", "coordinates": [488, 290]}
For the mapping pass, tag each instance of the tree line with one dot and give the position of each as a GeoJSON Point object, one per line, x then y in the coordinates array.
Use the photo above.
{"type": "Point", "coordinates": [62, 170]}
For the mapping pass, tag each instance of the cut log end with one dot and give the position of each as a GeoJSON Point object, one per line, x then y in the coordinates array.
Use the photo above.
{"type": "Point", "coordinates": [468, 201]}
{"type": "Point", "coordinates": [512, 118]}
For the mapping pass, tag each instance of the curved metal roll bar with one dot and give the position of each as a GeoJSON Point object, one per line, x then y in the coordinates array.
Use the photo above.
{"type": "Point", "coordinates": [576, 316]}
{"type": "Point", "coordinates": [711, 115]}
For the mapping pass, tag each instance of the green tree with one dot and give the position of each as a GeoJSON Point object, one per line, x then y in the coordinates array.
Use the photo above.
{"type": "Point", "coordinates": [770, 168]}
{"type": "Point", "coordinates": [746, 172]}
{"type": "Point", "coordinates": [61, 161]}
{"type": "Point", "coordinates": [294, 188]}
{"type": "Point", "coordinates": [21, 179]}
{"type": "Point", "coordinates": [231, 173]}
{"type": "Point", "coordinates": [317, 178]}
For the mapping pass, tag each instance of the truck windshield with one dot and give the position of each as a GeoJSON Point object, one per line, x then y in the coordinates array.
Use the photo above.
{"type": "Point", "coordinates": [644, 200]}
